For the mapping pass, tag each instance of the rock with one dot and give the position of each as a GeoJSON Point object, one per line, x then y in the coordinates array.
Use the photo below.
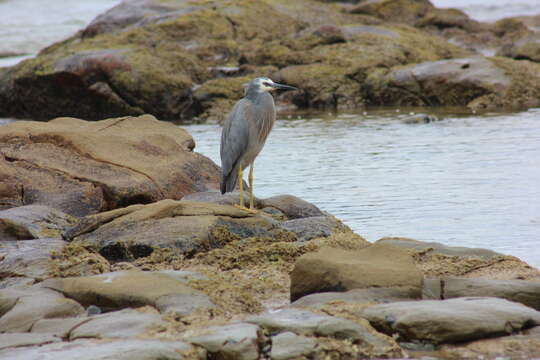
{"type": "Point", "coordinates": [331, 269]}
{"type": "Point", "coordinates": [359, 296]}
{"type": "Point", "coordinates": [521, 291]}
{"type": "Point", "coordinates": [454, 320]}
{"type": "Point", "coordinates": [527, 48]}
{"type": "Point", "coordinates": [83, 167]}
{"type": "Point", "coordinates": [20, 308]}
{"type": "Point", "coordinates": [28, 258]}
{"type": "Point", "coordinates": [437, 260]}
{"type": "Point", "coordinates": [185, 227]}
{"type": "Point", "coordinates": [408, 11]}
{"type": "Point", "coordinates": [292, 206]}
{"type": "Point", "coordinates": [477, 83]}
{"type": "Point", "coordinates": [314, 227]}
{"type": "Point", "coordinates": [25, 339]}
{"type": "Point", "coordinates": [183, 305]}
{"type": "Point", "coordinates": [288, 345]}
{"type": "Point", "coordinates": [126, 323]}
{"type": "Point", "coordinates": [420, 119]}
{"type": "Point", "coordinates": [33, 222]}
{"type": "Point", "coordinates": [16, 282]}
{"type": "Point", "coordinates": [438, 248]}
{"type": "Point", "coordinates": [231, 198]}
{"type": "Point", "coordinates": [307, 323]}
{"type": "Point", "coordinates": [58, 327]}
{"type": "Point", "coordinates": [128, 349]}
{"type": "Point", "coordinates": [111, 68]}
{"type": "Point", "coordinates": [235, 341]}
{"type": "Point", "coordinates": [517, 346]}
{"type": "Point", "coordinates": [118, 290]}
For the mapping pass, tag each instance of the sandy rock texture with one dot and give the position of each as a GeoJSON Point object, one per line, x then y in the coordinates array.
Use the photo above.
{"type": "Point", "coordinates": [82, 167]}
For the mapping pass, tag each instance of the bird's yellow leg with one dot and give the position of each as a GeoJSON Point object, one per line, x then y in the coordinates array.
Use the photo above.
{"type": "Point", "coordinates": [250, 178]}
{"type": "Point", "coordinates": [241, 183]}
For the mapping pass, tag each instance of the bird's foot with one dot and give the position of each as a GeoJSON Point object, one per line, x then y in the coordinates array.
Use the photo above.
{"type": "Point", "coordinates": [251, 210]}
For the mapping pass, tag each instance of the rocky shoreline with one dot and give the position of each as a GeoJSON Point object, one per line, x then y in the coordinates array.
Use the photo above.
{"type": "Point", "coordinates": [187, 60]}
{"type": "Point", "coordinates": [116, 244]}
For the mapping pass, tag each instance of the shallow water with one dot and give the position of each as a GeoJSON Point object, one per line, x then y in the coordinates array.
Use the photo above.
{"type": "Point", "coordinates": [465, 181]}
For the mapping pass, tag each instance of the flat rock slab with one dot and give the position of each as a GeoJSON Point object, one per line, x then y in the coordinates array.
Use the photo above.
{"type": "Point", "coordinates": [21, 308]}
{"type": "Point", "coordinates": [449, 321]}
{"type": "Point", "coordinates": [235, 341]}
{"type": "Point", "coordinates": [307, 323]}
{"type": "Point", "coordinates": [84, 167]}
{"type": "Point", "coordinates": [12, 340]}
{"type": "Point", "coordinates": [128, 349]}
{"type": "Point", "coordinates": [231, 198]}
{"type": "Point", "coordinates": [126, 323]}
{"type": "Point", "coordinates": [521, 291]}
{"type": "Point", "coordinates": [331, 269]}
{"type": "Point", "coordinates": [288, 345]}
{"type": "Point", "coordinates": [61, 327]}
{"type": "Point", "coordinates": [182, 226]}
{"type": "Point", "coordinates": [360, 296]}
{"type": "Point", "coordinates": [438, 248]}
{"type": "Point", "coordinates": [28, 258]}
{"type": "Point", "coordinates": [121, 289]}
{"type": "Point", "coordinates": [33, 222]}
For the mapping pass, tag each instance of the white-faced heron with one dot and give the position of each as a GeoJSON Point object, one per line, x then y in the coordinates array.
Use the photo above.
{"type": "Point", "coordinates": [244, 133]}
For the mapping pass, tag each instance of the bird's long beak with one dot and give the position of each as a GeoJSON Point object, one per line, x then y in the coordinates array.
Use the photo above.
{"type": "Point", "coordinates": [283, 87]}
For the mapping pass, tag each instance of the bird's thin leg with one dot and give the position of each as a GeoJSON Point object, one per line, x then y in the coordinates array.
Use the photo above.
{"type": "Point", "coordinates": [241, 182]}
{"type": "Point", "coordinates": [251, 186]}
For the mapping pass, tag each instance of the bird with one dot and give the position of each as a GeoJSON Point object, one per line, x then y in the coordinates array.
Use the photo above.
{"type": "Point", "coordinates": [244, 133]}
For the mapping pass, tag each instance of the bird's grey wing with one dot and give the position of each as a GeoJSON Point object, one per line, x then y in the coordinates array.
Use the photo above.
{"type": "Point", "coordinates": [235, 136]}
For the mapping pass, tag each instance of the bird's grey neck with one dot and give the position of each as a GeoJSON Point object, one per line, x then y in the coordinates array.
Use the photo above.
{"type": "Point", "coordinates": [257, 96]}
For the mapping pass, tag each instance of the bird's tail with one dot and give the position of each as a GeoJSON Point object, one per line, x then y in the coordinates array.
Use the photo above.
{"type": "Point", "coordinates": [228, 182]}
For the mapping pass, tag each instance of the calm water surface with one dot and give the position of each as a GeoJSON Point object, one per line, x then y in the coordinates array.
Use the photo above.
{"type": "Point", "coordinates": [463, 181]}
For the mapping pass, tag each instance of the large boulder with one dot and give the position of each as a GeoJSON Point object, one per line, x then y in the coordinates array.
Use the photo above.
{"type": "Point", "coordinates": [331, 269]}
{"type": "Point", "coordinates": [82, 167]}
{"type": "Point", "coordinates": [478, 83]}
{"type": "Point", "coordinates": [33, 222]}
{"type": "Point", "coordinates": [454, 320]}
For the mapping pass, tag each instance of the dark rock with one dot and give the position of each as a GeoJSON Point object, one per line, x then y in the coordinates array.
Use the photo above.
{"type": "Point", "coordinates": [454, 320]}
{"type": "Point", "coordinates": [214, 197]}
{"type": "Point", "coordinates": [292, 206]}
{"type": "Point", "coordinates": [314, 227]}
{"type": "Point", "coordinates": [407, 11]}
{"type": "Point", "coordinates": [331, 269]}
{"type": "Point", "coordinates": [420, 119]}
{"type": "Point", "coordinates": [527, 48]}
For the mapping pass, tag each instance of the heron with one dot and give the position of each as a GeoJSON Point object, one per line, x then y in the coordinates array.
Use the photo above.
{"type": "Point", "coordinates": [244, 133]}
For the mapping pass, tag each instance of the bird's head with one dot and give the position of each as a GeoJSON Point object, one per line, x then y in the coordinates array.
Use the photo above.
{"type": "Point", "coordinates": [264, 84]}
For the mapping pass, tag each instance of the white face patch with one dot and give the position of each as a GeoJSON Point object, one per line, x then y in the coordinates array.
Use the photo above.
{"type": "Point", "coordinates": [265, 84]}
